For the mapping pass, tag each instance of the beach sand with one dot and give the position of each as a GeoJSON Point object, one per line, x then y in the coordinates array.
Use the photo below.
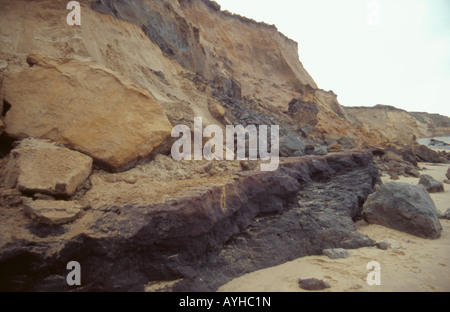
{"type": "Point", "coordinates": [421, 265]}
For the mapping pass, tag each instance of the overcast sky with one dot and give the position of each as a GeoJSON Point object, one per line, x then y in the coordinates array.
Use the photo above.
{"type": "Point", "coordinates": [399, 57]}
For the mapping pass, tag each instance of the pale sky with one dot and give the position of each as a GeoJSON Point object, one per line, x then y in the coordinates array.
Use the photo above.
{"type": "Point", "coordinates": [403, 62]}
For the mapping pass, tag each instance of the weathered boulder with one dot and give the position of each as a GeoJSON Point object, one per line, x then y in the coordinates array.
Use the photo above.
{"type": "Point", "coordinates": [448, 174]}
{"type": "Point", "coordinates": [291, 146]}
{"type": "Point", "coordinates": [430, 184]}
{"type": "Point", "coordinates": [403, 207]}
{"type": "Point", "coordinates": [425, 154]}
{"type": "Point", "coordinates": [38, 166]}
{"type": "Point", "coordinates": [304, 112]}
{"type": "Point", "coordinates": [52, 212]}
{"type": "Point", "coordinates": [90, 109]}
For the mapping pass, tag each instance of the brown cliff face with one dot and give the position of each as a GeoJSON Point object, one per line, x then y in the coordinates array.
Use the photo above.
{"type": "Point", "coordinates": [188, 55]}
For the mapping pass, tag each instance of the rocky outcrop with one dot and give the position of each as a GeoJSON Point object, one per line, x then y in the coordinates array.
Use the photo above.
{"type": "Point", "coordinates": [405, 208]}
{"type": "Point", "coordinates": [37, 166]}
{"type": "Point", "coordinates": [90, 109]}
{"type": "Point", "coordinates": [203, 230]}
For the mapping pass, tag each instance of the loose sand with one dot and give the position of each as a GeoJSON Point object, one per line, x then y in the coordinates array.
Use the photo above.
{"type": "Point", "coordinates": [420, 265]}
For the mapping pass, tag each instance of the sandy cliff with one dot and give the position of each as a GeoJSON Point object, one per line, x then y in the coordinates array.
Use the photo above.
{"type": "Point", "coordinates": [85, 133]}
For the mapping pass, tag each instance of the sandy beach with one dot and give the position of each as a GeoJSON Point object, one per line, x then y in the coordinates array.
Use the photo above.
{"type": "Point", "coordinates": [421, 265]}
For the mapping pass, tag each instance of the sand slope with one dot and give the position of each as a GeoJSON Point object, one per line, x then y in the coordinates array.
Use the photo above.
{"type": "Point", "coordinates": [421, 264]}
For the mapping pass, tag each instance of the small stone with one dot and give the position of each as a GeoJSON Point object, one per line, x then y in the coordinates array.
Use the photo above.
{"type": "Point", "coordinates": [335, 148]}
{"type": "Point", "coordinates": [336, 253]}
{"type": "Point", "coordinates": [52, 212]}
{"type": "Point", "coordinates": [248, 165]}
{"type": "Point", "coordinates": [447, 181]}
{"type": "Point", "coordinates": [412, 172]}
{"type": "Point", "coordinates": [394, 176]}
{"type": "Point", "coordinates": [217, 111]}
{"type": "Point", "coordinates": [313, 284]}
{"type": "Point", "coordinates": [445, 216]}
{"type": "Point", "coordinates": [388, 244]}
{"type": "Point", "coordinates": [321, 151]}
{"type": "Point", "coordinates": [11, 197]}
{"type": "Point", "coordinates": [448, 174]}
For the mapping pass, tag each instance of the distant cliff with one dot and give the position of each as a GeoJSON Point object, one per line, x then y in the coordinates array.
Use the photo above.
{"type": "Point", "coordinates": [399, 126]}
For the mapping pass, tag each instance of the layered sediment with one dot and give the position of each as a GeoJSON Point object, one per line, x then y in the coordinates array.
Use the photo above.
{"type": "Point", "coordinates": [212, 228]}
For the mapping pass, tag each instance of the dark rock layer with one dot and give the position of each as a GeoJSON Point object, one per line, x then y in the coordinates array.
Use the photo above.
{"type": "Point", "coordinates": [205, 236]}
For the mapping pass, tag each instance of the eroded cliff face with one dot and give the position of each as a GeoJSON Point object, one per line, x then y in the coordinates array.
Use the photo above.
{"type": "Point", "coordinates": [188, 55]}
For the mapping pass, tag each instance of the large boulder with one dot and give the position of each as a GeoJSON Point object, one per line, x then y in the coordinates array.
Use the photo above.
{"type": "Point", "coordinates": [90, 109]}
{"type": "Point", "coordinates": [425, 154]}
{"type": "Point", "coordinates": [37, 166]}
{"type": "Point", "coordinates": [430, 184]}
{"type": "Point", "coordinates": [403, 207]}
{"type": "Point", "coordinates": [304, 112]}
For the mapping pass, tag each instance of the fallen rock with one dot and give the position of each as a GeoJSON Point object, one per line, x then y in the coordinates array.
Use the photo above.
{"type": "Point", "coordinates": [52, 212]}
{"type": "Point", "coordinates": [448, 174]}
{"type": "Point", "coordinates": [390, 155]}
{"type": "Point", "coordinates": [304, 112]}
{"type": "Point", "coordinates": [116, 124]}
{"type": "Point", "coordinates": [347, 142]}
{"type": "Point", "coordinates": [425, 154]}
{"type": "Point", "coordinates": [38, 166]}
{"type": "Point", "coordinates": [389, 244]}
{"type": "Point", "coordinates": [338, 253]}
{"type": "Point", "coordinates": [409, 170]}
{"type": "Point", "coordinates": [446, 181]}
{"type": "Point", "coordinates": [291, 146]}
{"type": "Point", "coordinates": [247, 165]}
{"type": "Point", "coordinates": [394, 177]}
{"type": "Point", "coordinates": [321, 150]}
{"type": "Point", "coordinates": [11, 198]}
{"type": "Point", "coordinates": [217, 111]}
{"type": "Point", "coordinates": [445, 216]}
{"type": "Point", "coordinates": [430, 184]}
{"type": "Point", "coordinates": [313, 284]}
{"type": "Point", "coordinates": [403, 207]}
{"type": "Point", "coordinates": [309, 150]}
{"type": "Point", "coordinates": [335, 148]}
